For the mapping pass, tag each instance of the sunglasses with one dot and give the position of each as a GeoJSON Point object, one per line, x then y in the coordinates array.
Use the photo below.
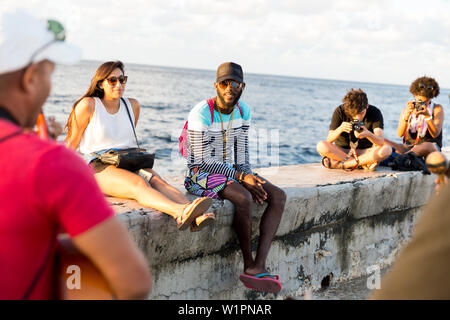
{"type": "Point", "coordinates": [59, 34]}
{"type": "Point", "coordinates": [113, 80]}
{"type": "Point", "coordinates": [234, 84]}
{"type": "Point", "coordinates": [422, 86]}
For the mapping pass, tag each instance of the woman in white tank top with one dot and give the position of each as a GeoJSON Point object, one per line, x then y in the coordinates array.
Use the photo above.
{"type": "Point", "coordinates": [99, 121]}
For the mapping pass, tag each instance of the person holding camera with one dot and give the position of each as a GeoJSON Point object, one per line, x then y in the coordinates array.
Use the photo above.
{"type": "Point", "coordinates": [355, 139]}
{"type": "Point", "coordinates": [421, 122]}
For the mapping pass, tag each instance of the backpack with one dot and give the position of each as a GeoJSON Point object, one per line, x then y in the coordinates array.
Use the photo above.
{"type": "Point", "coordinates": [182, 144]}
{"type": "Point", "coordinates": [408, 162]}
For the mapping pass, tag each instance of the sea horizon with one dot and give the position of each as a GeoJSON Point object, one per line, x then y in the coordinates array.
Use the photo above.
{"type": "Point", "coordinates": [260, 74]}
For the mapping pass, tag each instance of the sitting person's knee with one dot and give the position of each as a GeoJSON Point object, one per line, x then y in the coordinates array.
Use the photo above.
{"type": "Point", "coordinates": [139, 184]}
{"type": "Point", "coordinates": [384, 152]}
{"type": "Point", "coordinates": [322, 147]}
{"type": "Point", "coordinates": [243, 199]}
{"type": "Point", "coordinates": [276, 197]}
{"type": "Point", "coordinates": [431, 147]}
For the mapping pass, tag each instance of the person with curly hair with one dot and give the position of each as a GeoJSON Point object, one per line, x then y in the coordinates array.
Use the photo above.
{"type": "Point", "coordinates": [355, 139]}
{"type": "Point", "coordinates": [420, 123]}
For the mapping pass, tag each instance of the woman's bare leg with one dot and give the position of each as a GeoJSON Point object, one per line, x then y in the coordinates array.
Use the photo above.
{"type": "Point", "coordinates": [158, 183]}
{"type": "Point", "coordinates": [125, 184]}
{"type": "Point", "coordinates": [423, 149]}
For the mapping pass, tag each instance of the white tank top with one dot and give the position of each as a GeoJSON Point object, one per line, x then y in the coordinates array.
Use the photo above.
{"type": "Point", "coordinates": [107, 131]}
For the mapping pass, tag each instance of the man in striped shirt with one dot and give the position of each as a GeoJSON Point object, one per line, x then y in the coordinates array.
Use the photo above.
{"type": "Point", "coordinates": [218, 162]}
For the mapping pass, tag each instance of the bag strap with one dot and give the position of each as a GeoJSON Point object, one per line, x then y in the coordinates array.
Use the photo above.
{"type": "Point", "coordinates": [11, 135]}
{"type": "Point", "coordinates": [240, 110]}
{"type": "Point", "coordinates": [132, 124]}
{"type": "Point", "coordinates": [211, 109]}
{"type": "Point", "coordinates": [43, 265]}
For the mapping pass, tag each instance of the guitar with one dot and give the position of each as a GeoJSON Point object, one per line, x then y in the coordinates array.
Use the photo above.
{"type": "Point", "coordinates": [77, 278]}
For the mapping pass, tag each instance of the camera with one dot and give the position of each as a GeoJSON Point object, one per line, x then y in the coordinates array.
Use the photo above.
{"type": "Point", "coordinates": [419, 105]}
{"type": "Point", "coordinates": [357, 125]}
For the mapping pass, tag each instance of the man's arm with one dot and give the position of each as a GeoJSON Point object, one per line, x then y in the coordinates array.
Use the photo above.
{"type": "Point", "coordinates": [64, 189]}
{"type": "Point", "coordinates": [338, 126]}
{"type": "Point", "coordinates": [334, 134]}
{"type": "Point", "coordinates": [111, 249]}
{"type": "Point", "coordinates": [377, 137]}
{"type": "Point", "coordinates": [242, 154]}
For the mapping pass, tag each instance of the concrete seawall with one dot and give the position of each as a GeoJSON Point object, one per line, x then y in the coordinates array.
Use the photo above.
{"type": "Point", "coordinates": [335, 225]}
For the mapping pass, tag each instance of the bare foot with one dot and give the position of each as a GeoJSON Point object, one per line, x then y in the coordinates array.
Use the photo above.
{"type": "Point", "coordinates": [252, 271]}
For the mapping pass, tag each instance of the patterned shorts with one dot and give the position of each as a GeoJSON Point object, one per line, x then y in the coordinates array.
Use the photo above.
{"type": "Point", "coordinates": [206, 184]}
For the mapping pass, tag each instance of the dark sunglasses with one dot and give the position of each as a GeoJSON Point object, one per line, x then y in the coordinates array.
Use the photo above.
{"type": "Point", "coordinates": [113, 80]}
{"type": "Point", "coordinates": [225, 83]}
{"type": "Point", "coordinates": [422, 86]}
{"type": "Point", "coordinates": [59, 34]}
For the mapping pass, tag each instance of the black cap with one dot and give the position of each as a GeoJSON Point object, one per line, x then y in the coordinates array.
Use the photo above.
{"type": "Point", "coordinates": [229, 70]}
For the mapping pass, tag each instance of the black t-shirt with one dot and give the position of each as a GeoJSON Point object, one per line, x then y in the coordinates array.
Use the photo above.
{"type": "Point", "coordinates": [373, 119]}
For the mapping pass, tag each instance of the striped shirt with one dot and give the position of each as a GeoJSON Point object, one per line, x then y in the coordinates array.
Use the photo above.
{"type": "Point", "coordinates": [205, 142]}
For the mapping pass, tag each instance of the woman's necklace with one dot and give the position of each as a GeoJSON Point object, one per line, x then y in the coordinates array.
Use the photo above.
{"type": "Point", "coordinates": [226, 133]}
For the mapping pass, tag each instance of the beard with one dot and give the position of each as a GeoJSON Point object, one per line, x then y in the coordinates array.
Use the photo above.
{"type": "Point", "coordinates": [228, 104]}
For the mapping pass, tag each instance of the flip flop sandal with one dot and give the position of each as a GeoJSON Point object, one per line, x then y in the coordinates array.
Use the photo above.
{"type": "Point", "coordinates": [329, 162]}
{"type": "Point", "coordinates": [197, 209]}
{"type": "Point", "coordinates": [339, 166]}
{"type": "Point", "coordinates": [262, 282]}
{"type": "Point", "coordinates": [202, 221]}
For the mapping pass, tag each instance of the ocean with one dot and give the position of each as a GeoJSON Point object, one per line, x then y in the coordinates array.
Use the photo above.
{"type": "Point", "coordinates": [289, 114]}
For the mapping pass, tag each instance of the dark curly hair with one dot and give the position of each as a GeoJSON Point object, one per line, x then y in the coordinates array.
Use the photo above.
{"type": "Point", "coordinates": [425, 86]}
{"type": "Point", "coordinates": [355, 101]}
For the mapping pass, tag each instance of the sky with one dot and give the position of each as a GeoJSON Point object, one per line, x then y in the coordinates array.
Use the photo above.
{"type": "Point", "coordinates": [356, 40]}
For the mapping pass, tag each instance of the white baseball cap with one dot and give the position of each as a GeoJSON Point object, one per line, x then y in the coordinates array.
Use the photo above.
{"type": "Point", "coordinates": [25, 39]}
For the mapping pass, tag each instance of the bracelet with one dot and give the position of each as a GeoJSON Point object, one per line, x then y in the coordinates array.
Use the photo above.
{"type": "Point", "coordinates": [428, 118]}
{"type": "Point", "coordinates": [241, 176]}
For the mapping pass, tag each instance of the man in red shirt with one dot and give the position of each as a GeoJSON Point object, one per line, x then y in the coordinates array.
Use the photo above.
{"type": "Point", "coordinates": [46, 188]}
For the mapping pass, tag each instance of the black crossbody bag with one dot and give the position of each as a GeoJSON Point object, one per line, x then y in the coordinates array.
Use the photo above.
{"type": "Point", "coordinates": [131, 159]}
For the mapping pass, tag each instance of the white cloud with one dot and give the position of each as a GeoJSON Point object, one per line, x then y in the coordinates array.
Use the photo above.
{"type": "Point", "coordinates": [372, 40]}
